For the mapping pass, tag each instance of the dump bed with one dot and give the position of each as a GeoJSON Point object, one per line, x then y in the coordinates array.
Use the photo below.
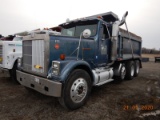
{"type": "Point", "coordinates": [125, 46]}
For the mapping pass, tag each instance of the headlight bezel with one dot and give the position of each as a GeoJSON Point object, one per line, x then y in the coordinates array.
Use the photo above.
{"type": "Point", "coordinates": [56, 68]}
{"type": "Point", "coordinates": [19, 62]}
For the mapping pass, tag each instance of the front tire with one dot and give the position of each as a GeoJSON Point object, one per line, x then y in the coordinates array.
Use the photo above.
{"type": "Point", "coordinates": [76, 90]}
{"type": "Point", "coordinates": [130, 70]}
{"type": "Point", "coordinates": [13, 75]}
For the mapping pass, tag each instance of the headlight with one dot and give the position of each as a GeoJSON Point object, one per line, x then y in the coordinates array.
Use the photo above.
{"type": "Point", "coordinates": [55, 72]}
{"type": "Point", "coordinates": [19, 62]}
{"type": "Point", "coordinates": [55, 67]}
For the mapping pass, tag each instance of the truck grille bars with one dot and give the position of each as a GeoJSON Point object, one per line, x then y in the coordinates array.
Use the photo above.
{"type": "Point", "coordinates": [33, 56]}
{"type": "Point", "coordinates": [27, 55]}
{"type": "Point", "coordinates": [38, 56]}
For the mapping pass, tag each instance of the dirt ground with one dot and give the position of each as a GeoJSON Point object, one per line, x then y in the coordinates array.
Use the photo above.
{"type": "Point", "coordinates": [135, 99]}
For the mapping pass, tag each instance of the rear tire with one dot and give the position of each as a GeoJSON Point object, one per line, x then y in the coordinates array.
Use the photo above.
{"type": "Point", "coordinates": [76, 90]}
{"type": "Point", "coordinates": [122, 74]}
{"type": "Point", "coordinates": [136, 68]}
{"type": "Point", "coordinates": [130, 70]}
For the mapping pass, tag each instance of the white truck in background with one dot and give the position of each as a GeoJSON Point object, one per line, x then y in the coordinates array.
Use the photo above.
{"type": "Point", "coordinates": [10, 51]}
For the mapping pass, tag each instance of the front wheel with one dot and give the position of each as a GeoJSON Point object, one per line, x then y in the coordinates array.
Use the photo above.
{"type": "Point", "coordinates": [76, 90]}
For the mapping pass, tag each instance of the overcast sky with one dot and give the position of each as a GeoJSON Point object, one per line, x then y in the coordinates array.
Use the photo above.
{"type": "Point", "coordinates": [21, 15]}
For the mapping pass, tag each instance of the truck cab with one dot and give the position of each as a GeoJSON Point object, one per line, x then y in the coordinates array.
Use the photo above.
{"type": "Point", "coordinates": [10, 51]}
{"type": "Point", "coordinates": [89, 52]}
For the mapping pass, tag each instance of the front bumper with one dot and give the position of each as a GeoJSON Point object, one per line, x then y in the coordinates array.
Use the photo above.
{"type": "Point", "coordinates": [42, 85]}
{"type": "Point", "coordinates": [3, 70]}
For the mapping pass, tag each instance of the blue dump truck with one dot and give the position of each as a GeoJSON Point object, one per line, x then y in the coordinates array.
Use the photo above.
{"type": "Point", "coordinates": [90, 51]}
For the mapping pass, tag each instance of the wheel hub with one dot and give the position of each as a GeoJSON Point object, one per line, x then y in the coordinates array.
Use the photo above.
{"type": "Point", "coordinates": [78, 90]}
{"type": "Point", "coordinates": [137, 70]}
{"type": "Point", "coordinates": [132, 70]}
{"type": "Point", "coordinates": [123, 72]}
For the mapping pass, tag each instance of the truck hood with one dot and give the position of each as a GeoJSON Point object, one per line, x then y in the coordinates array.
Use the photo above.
{"type": "Point", "coordinates": [68, 46]}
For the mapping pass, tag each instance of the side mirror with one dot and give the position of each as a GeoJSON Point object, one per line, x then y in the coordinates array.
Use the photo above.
{"type": "Point", "coordinates": [123, 18]}
{"type": "Point", "coordinates": [86, 33]}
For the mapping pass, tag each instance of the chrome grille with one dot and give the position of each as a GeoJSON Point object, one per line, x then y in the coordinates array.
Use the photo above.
{"type": "Point", "coordinates": [27, 55]}
{"type": "Point", "coordinates": [1, 54]}
{"type": "Point", "coordinates": [38, 55]}
{"type": "Point", "coordinates": [33, 55]}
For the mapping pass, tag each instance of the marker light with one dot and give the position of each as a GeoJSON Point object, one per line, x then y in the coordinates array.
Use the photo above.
{"type": "Point", "coordinates": [56, 46]}
{"type": "Point", "coordinates": [46, 29]}
{"type": "Point", "coordinates": [62, 56]}
{"type": "Point", "coordinates": [100, 17]}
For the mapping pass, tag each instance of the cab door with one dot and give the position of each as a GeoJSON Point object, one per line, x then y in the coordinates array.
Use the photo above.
{"type": "Point", "coordinates": [102, 59]}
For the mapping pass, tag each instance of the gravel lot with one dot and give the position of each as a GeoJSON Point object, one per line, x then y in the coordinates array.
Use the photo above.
{"type": "Point", "coordinates": [135, 99]}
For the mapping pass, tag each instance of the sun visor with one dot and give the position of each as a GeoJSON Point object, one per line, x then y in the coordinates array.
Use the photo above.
{"type": "Point", "coordinates": [108, 17]}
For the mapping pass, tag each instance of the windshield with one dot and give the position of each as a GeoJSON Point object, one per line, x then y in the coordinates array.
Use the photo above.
{"type": "Point", "coordinates": [17, 39]}
{"type": "Point", "coordinates": [77, 30]}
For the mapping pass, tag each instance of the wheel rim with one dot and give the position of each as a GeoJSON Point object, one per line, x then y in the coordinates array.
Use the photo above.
{"type": "Point", "coordinates": [123, 72]}
{"type": "Point", "coordinates": [137, 68]}
{"type": "Point", "coordinates": [132, 70]}
{"type": "Point", "coordinates": [78, 90]}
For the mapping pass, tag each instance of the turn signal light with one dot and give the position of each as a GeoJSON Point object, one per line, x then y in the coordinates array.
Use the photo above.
{"type": "Point", "coordinates": [45, 29]}
{"type": "Point", "coordinates": [119, 59]}
{"type": "Point", "coordinates": [38, 67]}
{"type": "Point", "coordinates": [100, 17]}
{"type": "Point", "coordinates": [62, 56]}
{"type": "Point", "coordinates": [56, 46]}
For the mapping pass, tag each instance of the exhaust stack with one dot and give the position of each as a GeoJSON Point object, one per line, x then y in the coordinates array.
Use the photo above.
{"type": "Point", "coordinates": [114, 39]}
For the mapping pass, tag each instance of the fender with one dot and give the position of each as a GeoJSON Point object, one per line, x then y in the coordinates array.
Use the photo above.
{"type": "Point", "coordinates": [12, 59]}
{"type": "Point", "coordinates": [68, 66]}
{"type": "Point", "coordinates": [11, 51]}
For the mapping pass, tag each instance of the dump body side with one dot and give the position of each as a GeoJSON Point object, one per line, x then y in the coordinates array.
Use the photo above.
{"type": "Point", "coordinates": [126, 44]}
